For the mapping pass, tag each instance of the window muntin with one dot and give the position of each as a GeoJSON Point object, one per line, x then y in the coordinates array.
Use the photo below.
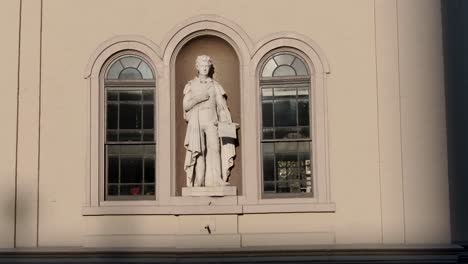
{"type": "Point", "coordinates": [283, 65]}
{"type": "Point", "coordinates": [130, 68]}
{"type": "Point", "coordinates": [129, 130]}
{"type": "Point", "coordinates": [286, 134]}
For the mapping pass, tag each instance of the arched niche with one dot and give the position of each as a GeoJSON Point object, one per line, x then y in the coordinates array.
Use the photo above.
{"type": "Point", "coordinates": [227, 73]}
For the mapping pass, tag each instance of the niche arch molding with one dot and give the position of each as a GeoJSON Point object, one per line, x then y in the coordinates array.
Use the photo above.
{"type": "Point", "coordinates": [175, 41]}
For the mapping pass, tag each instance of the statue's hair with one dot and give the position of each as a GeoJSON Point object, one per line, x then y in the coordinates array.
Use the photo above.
{"type": "Point", "coordinates": [203, 58]}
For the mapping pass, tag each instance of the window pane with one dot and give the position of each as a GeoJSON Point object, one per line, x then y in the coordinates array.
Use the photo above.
{"type": "Point", "coordinates": [113, 169]}
{"type": "Point", "coordinates": [287, 168]}
{"type": "Point", "coordinates": [150, 149]}
{"type": "Point", "coordinates": [285, 93]}
{"type": "Point", "coordinates": [149, 169]}
{"type": "Point", "coordinates": [268, 148]}
{"type": "Point", "coordinates": [130, 136]}
{"type": "Point", "coordinates": [148, 116]}
{"type": "Point", "coordinates": [286, 133]}
{"type": "Point", "coordinates": [149, 189]}
{"type": "Point", "coordinates": [132, 62]}
{"type": "Point", "coordinates": [132, 149]}
{"type": "Point", "coordinates": [303, 112]}
{"type": "Point", "coordinates": [131, 169]}
{"type": "Point", "coordinates": [112, 190]}
{"type": "Point", "coordinates": [285, 113]}
{"type": "Point", "coordinates": [112, 95]}
{"type": "Point", "coordinates": [114, 71]}
{"type": "Point", "coordinates": [284, 70]}
{"type": "Point", "coordinates": [130, 116]}
{"type": "Point", "coordinates": [303, 92]}
{"type": "Point", "coordinates": [305, 169]}
{"type": "Point", "coordinates": [148, 136]}
{"type": "Point", "coordinates": [268, 132]}
{"type": "Point", "coordinates": [268, 167]}
{"type": "Point", "coordinates": [269, 68]}
{"type": "Point", "coordinates": [130, 74]}
{"type": "Point", "coordinates": [269, 187]}
{"type": "Point", "coordinates": [304, 132]}
{"type": "Point", "coordinates": [130, 96]}
{"type": "Point", "coordinates": [267, 114]}
{"type": "Point", "coordinates": [145, 71]}
{"type": "Point", "coordinates": [112, 116]}
{"type": "Point", "coordinates": [112, 136]}
{"type": "Point", "coordinates": [130, 189]}
{"type": "Point", "coordinates": [113, 149]}
{"type": "Point", "coordinates": [284, 59]}
{"type": "Point", "coordinates": [300, 68]}
{"type": "Point", "coordinates": [267, 93]}
{"type": "Point", "coordinates": [148, 95]}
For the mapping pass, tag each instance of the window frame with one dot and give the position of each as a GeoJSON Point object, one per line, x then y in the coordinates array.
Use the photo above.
{"type": "Point", "coordinates": [114, 85]}
{"type": "Point", "coordinates": [318, 123]}
{"type": "Point", "coordinates": [103, 84]}
{"type": "Point", "coordinates": [277, 82]}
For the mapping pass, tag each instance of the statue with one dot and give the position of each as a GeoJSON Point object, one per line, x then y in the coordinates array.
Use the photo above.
{"type": "Point", "coordinates": [209, 140]}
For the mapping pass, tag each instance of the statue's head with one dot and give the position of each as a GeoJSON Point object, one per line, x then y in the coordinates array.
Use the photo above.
{"type": "Point", "coordinates": [203, 65]}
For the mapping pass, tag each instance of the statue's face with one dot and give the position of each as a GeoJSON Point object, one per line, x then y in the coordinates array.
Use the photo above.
{"type": "Point", "coordinates": [203, 68]}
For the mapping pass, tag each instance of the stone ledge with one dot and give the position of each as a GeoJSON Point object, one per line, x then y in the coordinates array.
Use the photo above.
{"type": "Point", "coordinates": [212, 191]}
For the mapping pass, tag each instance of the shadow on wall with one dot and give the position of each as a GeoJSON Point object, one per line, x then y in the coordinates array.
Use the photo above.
{"type": "Point", "coordinates": [455, 39]}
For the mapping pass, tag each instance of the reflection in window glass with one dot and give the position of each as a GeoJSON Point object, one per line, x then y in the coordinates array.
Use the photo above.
{"type": "Point", "coordinates": [286, 140]}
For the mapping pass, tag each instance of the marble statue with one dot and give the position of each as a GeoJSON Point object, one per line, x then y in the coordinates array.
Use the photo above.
{"type": "Point", "coordinates": [209, 140]}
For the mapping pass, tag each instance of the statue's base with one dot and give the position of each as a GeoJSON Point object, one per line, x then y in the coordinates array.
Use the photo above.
{"type": "Point", "coordinates": [216, 191]}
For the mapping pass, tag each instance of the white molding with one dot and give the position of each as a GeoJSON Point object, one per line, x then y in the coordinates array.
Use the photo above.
{"type": "Point", "coordinates": [118, 43]}
{"type": "Point", "coordinates": [319, 69]}
{"type": "Point", "coordinates": [206, 22]}
{"type": "Point", "coordinates": [93, 194]}
{"type": "Point", "coordinates": [133, 209]}
{"type": "Point", "coordinates": [296, 40]}
{"type": "Point", "coordinates": [288, 208]}
{"type": "Point", "coordinates": [209, 25]}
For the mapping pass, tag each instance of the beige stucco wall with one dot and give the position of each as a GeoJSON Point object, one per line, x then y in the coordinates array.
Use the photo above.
{"type": "Point", "coordinates": [9, 28]}
{"type": "Point", "coordinates": [385, 113]}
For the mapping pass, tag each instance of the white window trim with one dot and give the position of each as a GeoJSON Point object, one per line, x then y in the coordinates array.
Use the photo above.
{"type": "Point", "coordinates": [250, 56]}
{"type": "Point", "coordinates": [318, 67]}
{"type": "Point", "coordinates": [94, 161]}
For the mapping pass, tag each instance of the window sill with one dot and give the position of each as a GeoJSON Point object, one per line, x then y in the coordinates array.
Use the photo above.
{"type": "Point", "coordinates": [209, 209]}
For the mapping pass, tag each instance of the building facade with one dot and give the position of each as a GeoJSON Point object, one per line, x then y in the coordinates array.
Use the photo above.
{"type": "Point", "coordinates": [341, 105]}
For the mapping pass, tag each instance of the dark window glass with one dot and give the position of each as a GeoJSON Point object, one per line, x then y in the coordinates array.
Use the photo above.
{"type": "Point", "coordinates": [130, 116]}
{"type": "Point", "coordinates": [267, 113]}
{"type": "Point", "coordinates": [130, 74]}
{"type": "Point", "coordinates": [112, 136]}
{"type": "Point", "coordinates": [131, 96]}
{"type": "Point", "coordinates": [303, 112]}
{"type": "Point", "coordinates": [149, 169]}
{"type": "Point", "coordinates": [131, 169]}
{"type": "Point", "coordinates": [287, 165]}
{"type": "Point", "coordinates": [149, 189]}
{"type": "Point", "coordinates": [113, 169]}
{"type": "Point", "coordinates": [148, 95]}
{"type": "Point", "coordinates": [112, 116]}
{"type": "Point", "coordinates": [130, 147]}
{"type": "Point", "coordinates": [285, 113]}
{"type": "Point", "coordinates": [148, 116]}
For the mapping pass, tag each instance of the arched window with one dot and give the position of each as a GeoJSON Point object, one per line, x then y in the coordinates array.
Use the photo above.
{"type": "Point", "coordinates": [129, 144]}
{"type": "Point", "coordinates": [286, 126]}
